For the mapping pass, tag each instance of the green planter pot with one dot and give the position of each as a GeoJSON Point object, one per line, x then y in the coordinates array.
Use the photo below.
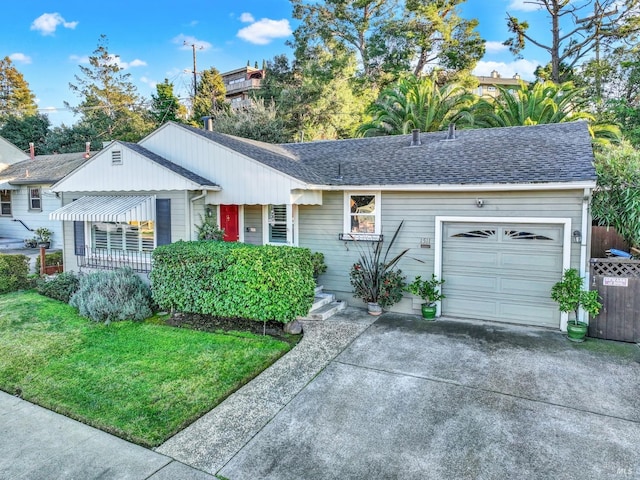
{"type": "Point", "coordinates": [576, 333]}
{"type": "Point", "coordinates": [428, 312]}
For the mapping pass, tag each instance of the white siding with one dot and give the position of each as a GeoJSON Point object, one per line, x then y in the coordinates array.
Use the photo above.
{"type": "Point", "coordinates": [134, 173]}
{"type": "Point", "coordinates": [319, 227]}
{"type": "Point", "coordinates": [32, 218]}
{"type": "Point", "coordinates": [244, 181]}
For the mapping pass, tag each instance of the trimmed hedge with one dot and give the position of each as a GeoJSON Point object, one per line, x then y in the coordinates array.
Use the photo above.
{"type": "Point", "coordinates": [233, 280]}
{"type": "Point", "coordinates": [14, 273]}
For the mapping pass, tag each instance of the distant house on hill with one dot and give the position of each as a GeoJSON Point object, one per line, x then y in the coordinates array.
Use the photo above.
{"type": "Point", "coordinates": [239, 84]}
{"type": "Point", "coordinates": [487, 85]}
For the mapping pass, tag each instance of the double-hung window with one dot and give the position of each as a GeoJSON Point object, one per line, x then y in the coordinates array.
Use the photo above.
{"type": "Point", "coordinates": [35, 198]}
{"type": "Point", "coordinates": [362, 213]}
{"type": "Point", "coordinates": [5, 203]}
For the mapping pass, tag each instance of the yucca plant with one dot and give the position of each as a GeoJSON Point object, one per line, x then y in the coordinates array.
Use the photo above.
{"type": "Point", "coordinates": [374, 277]}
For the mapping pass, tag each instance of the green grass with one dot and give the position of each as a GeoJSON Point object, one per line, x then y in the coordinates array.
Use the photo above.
{"type": "Point", "coordinates": [141, 381]}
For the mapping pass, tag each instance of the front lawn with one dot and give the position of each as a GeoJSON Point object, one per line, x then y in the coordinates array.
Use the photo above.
{"type": "Point", "coordinates": [141, 381]}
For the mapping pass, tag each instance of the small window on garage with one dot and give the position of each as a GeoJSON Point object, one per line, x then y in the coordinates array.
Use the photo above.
{"type": "Point", "coordinates": [479, 234]}
{"type": "Point", "coordinates": [525, 235]}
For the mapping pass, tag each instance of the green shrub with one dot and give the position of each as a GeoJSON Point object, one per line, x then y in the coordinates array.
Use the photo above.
{"type": "Point", "coordinates": [59, 287]}
{"type": "Point", "coordinates": [14, 273]}
{"type": "Point", "coordinates": [319, 267]}
{"type": "Point", "coordinates": [108, 296]}
{"type": "Point", "coordinates": [50, 259]}
{"type": "Point", "coordinates": [233, 280]}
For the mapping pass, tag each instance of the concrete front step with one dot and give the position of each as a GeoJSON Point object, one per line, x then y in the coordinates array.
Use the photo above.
{"type": "Point", "coordinates": [325, 311]}
{"type": "Point", "coordinates": [321, 299]}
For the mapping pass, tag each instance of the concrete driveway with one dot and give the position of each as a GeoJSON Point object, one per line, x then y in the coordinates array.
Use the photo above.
{"type": "Point", "coordinates": [410, 399]}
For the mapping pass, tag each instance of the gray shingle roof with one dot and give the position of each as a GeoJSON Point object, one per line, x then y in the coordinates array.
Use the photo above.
{"type": "Point", "coordinates": [43, 169]}
{"type": "Point", "coordinates": [188, 174]}
{"type": "Point", "coordinates": [534, 154]}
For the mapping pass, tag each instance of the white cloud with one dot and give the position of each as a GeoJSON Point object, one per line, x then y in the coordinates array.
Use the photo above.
{"type": "Point", "coordinates": [113, 60]}
{"type": "Point", "coordinates": [148, 81]}
{"type": "Point", "coordinates": [265, 30]}
{"type": "Point", "coordinates": [185, 41]}
{"type": "Point", "coordinates": [47, 23]}
{"type": "Point", "coordinates": [20, 58]}
{"type": "Point", "coordinates": [523, 6]}
{"type": "Point", "coordinates": [246, 17]}
{"type": "Point", "coordinates": [79, 59]}
{"type": "Point", "coordinates": [494, 47]}
{"type": "Point", "coordinates": [522, 67]}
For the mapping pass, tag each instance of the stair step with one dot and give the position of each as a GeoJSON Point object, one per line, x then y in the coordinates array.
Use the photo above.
{"type": "Point", "coordinates": [318, 290]}
{"type": "Point", "coordinates": [326, 311]}
{"type": "Point", "coordinates": [11, 243]}
{"type": "Point", "coordinates": [322, 299]}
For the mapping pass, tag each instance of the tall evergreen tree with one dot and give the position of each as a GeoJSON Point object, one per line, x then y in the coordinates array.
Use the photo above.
{"type": "Point", "coordinates": [16, 99]}
{"type": "Point", "coordinates": [22, 130]}
{"type": "Point", "coordinates": [210, 96]}
{"type": "Point", "coordinates": [165, 106]}
{"type": "Point", "coordinates": [110, 102]}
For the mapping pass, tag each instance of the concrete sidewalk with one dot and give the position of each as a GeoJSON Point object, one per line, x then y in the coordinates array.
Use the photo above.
{"type": "Point", "coordinates": [36, 443]}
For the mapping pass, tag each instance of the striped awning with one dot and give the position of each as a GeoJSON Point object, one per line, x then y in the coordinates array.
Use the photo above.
{"type": "Point", "coordinates": [121, 208]}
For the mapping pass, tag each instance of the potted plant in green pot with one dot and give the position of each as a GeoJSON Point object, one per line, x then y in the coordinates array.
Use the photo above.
{"type": "Point", "coordinates": [374, 278]}
{"type": "Point", "coordinates": [571, 297]}
{"type": "Point", "coordinates": [43, 235]}
{"type": "Point", "coordinates": [429, 291]}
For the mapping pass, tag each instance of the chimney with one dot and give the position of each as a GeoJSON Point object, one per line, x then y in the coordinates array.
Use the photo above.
{"type": "Point", "coordinates": [207, 123]}
{"type": "Point", "coordinates": [516, 76]}
{"type": "Point", "coordinates": [32, 150]}
{"type": "Point", "coordinates": [87, 149]}
{"type": "Point", "coordinates": [495, 74]}
{"type": "Point", "coordinates": [415, 137]}
{"type": "Point", "coordinates": [451, 134]}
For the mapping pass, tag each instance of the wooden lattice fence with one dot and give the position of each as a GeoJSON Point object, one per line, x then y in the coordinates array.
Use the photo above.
{"type": "Point", "coordinates": [618, 283]}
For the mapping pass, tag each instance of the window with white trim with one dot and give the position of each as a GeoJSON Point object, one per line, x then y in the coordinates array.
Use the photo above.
{"type": "Point", "coordinates": [5, 203]}
{"type": "Point", "coordinates": [278, 224]}
{"type": "Point", "coordinates": [133, 236]}
{"type": "Point", "coordinates": [35, 198]}
{"type": "Point", "coordinates": [362, 213]}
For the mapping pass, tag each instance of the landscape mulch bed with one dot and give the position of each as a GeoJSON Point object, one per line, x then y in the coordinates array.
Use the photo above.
{"type": "Point", "coordinates": [208, 323]}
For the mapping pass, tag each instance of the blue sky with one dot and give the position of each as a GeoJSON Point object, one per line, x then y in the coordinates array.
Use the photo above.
{"type": "Point", "coordinates": [48, 39]}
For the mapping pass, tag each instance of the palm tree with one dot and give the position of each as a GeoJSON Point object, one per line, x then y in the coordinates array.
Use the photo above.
{"type": "Point", "coordinates": [415, 102]}
{"type": "Point", "coordinates": [538, 103]}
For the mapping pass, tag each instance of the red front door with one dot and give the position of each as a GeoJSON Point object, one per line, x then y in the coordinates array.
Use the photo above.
{"type": "Point", "coordinates": [229, 222]}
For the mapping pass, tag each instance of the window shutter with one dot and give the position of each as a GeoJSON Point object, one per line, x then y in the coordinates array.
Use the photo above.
{"type": "Point", "coordinates": [163, 221]}
{"type": "Point", "coordinates": [78, 238]}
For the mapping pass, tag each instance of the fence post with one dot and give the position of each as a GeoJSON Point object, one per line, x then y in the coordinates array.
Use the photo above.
{"type": "Point", "coordinates": [42, 260]}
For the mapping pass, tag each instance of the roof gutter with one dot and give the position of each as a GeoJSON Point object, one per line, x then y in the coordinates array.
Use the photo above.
{"type": "Point", "coordinates": [478, 187]}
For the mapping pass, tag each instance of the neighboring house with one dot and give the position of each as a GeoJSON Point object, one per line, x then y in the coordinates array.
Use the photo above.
{"type": "Point", "coordinates": [487, 85]}
{"type": "Point", "coordinates": [26, 199]}
{"type": "Point", "coordinates": [239, 84]}
{"type": "Point", "coordinates": [498, 213]}
{"type": "Point", "coordinates": [9, 154]}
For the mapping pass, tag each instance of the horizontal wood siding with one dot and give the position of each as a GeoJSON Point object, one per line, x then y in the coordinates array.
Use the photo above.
{"type": "Point", "coordinates": [320, 226]}
{"type": "Point", "coordinates": [243, 181]}
{"type": "Point", "coordinates": [32, 218]}
{"type": "Point", "coordinates": [253, 219]}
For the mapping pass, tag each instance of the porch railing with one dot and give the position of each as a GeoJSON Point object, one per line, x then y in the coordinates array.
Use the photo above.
{"type": "Point", "coordinates": [105, 259]}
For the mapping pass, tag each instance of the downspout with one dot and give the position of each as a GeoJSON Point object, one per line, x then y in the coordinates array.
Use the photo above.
{"type": "Point", "coordinates": [191, 219]}
{"type": "Point", "coordinates": [584, 271]}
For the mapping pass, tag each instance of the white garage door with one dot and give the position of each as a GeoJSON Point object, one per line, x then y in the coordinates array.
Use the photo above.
{"type": "Point", "coordinates": [502, 272]}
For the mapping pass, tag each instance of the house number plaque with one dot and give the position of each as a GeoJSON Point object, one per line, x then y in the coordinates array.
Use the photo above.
{"type": "Point", "coordinates": [615, 282]}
